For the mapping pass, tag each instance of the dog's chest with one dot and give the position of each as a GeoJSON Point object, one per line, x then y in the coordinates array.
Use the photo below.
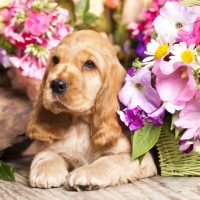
{"type": "Point", "coordinates": [76, 143]}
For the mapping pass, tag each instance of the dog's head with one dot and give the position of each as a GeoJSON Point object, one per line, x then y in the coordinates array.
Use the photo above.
{"type": "Point", "coordinates": [83, 77]}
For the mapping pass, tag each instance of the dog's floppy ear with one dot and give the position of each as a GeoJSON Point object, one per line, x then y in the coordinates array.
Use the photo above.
{"type": "Point", "coordinates": [106, 129]}
{"type": "Point", "coordinates": [45, 125]}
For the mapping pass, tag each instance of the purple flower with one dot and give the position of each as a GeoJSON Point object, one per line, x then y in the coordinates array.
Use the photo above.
{"type": "Point", "coordinates": [131, 72]}
{"type": "Point", "coordinates": [132, 118]}
{"type": "Point", "coordinates": [138, 92]}
{"type": "Point", "coordinates": [157, 116]}
{"type": "Point", "coordinates": [141, 47]}
{"type": "Point", "coordinates": [186, 146]}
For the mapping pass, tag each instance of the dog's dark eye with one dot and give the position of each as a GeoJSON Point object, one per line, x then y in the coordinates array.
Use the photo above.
{"type": "Point", "coordinates": [55, 60]}
{"type": "Point", "coordinates": [89, 65]}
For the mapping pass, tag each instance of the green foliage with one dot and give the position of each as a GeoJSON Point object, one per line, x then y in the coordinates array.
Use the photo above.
{"type": "Point", "coordinates": [7, 172]}
{"type": "Point", "coordinates": [144, 139]}
{"type": "Point", "coordinates": [121, 34]}
{"type": "Point", "coordinates": [5, 44]}
{"type": "Point", "coordinates": [89, 18]}
{"type": "Point", "coordinates": [137, 64]}
{"type": "Point", "coordinates": [82, 7]}
{"type": "Point", "coordinates": [141, 158]}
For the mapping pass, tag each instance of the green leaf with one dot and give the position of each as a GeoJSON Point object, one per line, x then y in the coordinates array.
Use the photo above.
{"type": "Point", "coordinates": [82, 6]}
{"type": "Point", "coordinates": [174, 118]}
{"type": "Point", "coordinates": [5, 44]}
{"type": "Point", "coordinates": [141, 158]}
{"type": "Point", "coordinates": [89, 18]}
{"type": "Point", "coordinates": [177, 132]}
{"type": "Point", "coordinates": [6, 172]}
{"type": "Point", "coordinates": [144, 139]}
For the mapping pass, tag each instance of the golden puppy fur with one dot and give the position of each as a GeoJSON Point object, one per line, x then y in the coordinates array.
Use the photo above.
{"type": "Point", "coordinates": [87, 147]}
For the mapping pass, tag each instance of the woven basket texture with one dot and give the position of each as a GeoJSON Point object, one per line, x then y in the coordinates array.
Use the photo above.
{"type": "Point", "coordinates": [172, 161]}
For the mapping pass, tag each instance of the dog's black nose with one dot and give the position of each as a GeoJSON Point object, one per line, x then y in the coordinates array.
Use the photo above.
{"type": "Point", "coordinates": [58, 86]}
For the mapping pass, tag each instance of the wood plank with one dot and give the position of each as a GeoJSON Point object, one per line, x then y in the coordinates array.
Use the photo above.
{"type": "Point", "coordinates": [155, 188]}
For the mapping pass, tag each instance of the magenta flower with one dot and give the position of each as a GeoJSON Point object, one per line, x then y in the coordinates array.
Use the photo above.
{"type": "Point", "coordinates": [189, 118]}
{"type": "Point", "coordinates": [138, 91]}
{"type": "Point", "coordinates": [131, 72]}
{"type": "Point", "coordinates": [36, 23]}
{"type": "Point", "coordinates": [132, 118]}
{"type": "Point", "coordinates": [192, 37]}
{"type": "Point", "coordinates": [175, 84]}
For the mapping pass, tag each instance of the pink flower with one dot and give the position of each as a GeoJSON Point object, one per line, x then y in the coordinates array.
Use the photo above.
{"type": "Point", "coordinates": [189, 118]}
{"type": "Point", "coordinates": [29, 65]}
{"type": "Point", "coordinates": [175, 84]}
{"type": "Point", "coordinates": [33, 33]}
{"type": "Point", "coordinates": [192, 37]}
{"type": "Point", "coordinates": [36, 23]}
{"type": "Point", "coordinates": [174, 17]}
{"type": "Point", "coordinates": [12, 35]}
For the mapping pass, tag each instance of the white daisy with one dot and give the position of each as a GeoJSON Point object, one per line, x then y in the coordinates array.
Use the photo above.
{"type": "Point", "coordinates": [156, 49]}
{"type": "Point", "coordinates": [188, 55]}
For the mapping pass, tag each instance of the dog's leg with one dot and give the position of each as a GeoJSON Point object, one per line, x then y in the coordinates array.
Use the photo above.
{"type": "Point", "coordinates": [48, 169]}
{"type": "Point", "coordinates": [110, 171]}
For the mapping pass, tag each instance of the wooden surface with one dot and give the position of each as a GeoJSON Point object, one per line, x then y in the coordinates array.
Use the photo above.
{"type": "Point", "coordinates": [156, 188]}
{"type": "Point", "coordinates": [15, 109]}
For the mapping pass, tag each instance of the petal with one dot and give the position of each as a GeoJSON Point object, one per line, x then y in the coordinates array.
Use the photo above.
{"type": "Point", "coordinates": [189, 117]}
{"type": "Point", "coordinates": [189, 133]}
{"type": "Point", "coordinates": [122, 117]}
{"type": "Point", "coordinates": [170, 107]}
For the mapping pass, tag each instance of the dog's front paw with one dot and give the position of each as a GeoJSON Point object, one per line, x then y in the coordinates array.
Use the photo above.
{"type": "Point", "coordinates": [47, 173]}
{"type": "Point", "coordinates": [86, 178]}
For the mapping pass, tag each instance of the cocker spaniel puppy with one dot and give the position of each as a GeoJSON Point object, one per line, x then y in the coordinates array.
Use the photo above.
{"type": "Point", "coordinates": [76, 114]}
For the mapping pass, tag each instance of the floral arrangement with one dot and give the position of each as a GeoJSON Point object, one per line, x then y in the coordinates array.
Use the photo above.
{"type": "Point", "coordinates": [142, 29]}
{"type": "Point", "coordinates": [32, 28]}
{"type": "Point", "coordinates": [164, 87]}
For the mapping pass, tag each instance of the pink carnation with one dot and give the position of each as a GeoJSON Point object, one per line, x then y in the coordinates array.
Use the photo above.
{"type": "Point", "coordinates": [33, 33]}
{"type": "Point", "coordinates": [192, 37]}
{"type": "Point", "coordinates": [36, 23]}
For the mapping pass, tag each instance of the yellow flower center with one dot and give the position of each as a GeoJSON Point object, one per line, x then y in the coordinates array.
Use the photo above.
{"type": "Point", "coordinates": [161, 51]}
{"type": "Point", "coordinates": [184, 73]}
{"type": "Point", "coordinates": [187, 56]}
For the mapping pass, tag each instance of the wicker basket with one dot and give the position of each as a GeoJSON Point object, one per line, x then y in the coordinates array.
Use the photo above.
{"type": "Point", "coordinates": [172, 161]}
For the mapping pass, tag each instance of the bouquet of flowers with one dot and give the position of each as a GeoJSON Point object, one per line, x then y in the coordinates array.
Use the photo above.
{"type": "Point", "coordinates": [33, 27]}
{"type": "Point", "coordinates": [142, 29]}
{"type": "Point", "coordinates": [164, 87]}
